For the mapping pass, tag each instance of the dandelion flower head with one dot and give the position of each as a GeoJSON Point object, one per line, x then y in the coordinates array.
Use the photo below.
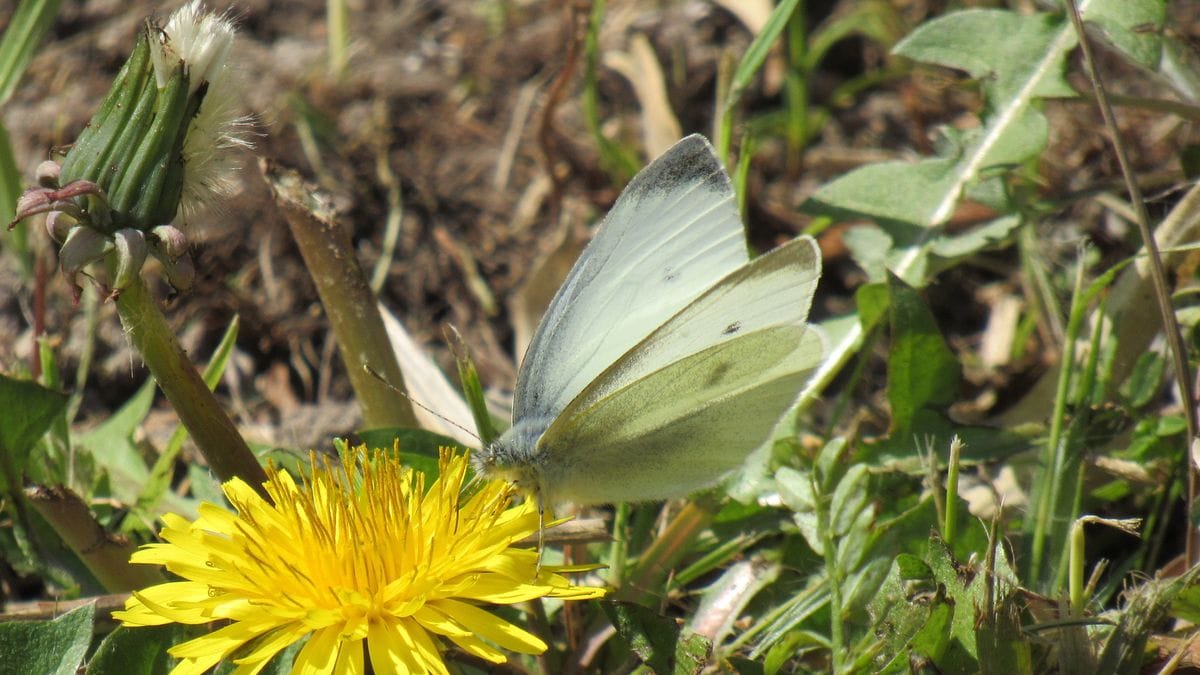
{"type": "Point", "coordinates": [359, 555]}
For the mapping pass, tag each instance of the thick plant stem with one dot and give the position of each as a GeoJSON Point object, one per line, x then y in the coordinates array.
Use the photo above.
{"type": "Point", "coordinates": [348, 301]}
{"type": "Point", "coordinates": [105, 555]}
{"type": "Point", "coordinates": [223, 447]}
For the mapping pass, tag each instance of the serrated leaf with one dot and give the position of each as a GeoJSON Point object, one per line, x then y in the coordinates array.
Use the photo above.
{"type": "Point", "coordinates": [922, 371]}
{"type": "Point", "coordinates": [54, 647]}
{"type": "Point", "coordinates": [1017, 60]}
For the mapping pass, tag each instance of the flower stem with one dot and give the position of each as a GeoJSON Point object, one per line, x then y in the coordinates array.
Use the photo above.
{"type": "Point", "coordinates": [348, 301]}
{"type": "Point", "coordinates": [106, 556]}
{"type": "Point", "coordinates": [197, 407]}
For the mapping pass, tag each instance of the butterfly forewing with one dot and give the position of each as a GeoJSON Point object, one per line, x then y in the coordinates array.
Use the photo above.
{"type": "Point", "coordinates": [674, 232]}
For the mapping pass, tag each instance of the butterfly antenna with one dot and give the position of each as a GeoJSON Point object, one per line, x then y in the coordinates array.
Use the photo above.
{"type": "Point", "coordinates": [371, 371]}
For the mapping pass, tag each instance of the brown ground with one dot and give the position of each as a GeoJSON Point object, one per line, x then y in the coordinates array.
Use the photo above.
{"type": "Point", "coordinates": [433, 92]}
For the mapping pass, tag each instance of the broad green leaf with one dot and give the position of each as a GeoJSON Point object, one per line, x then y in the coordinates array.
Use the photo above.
{"type": "Point", "coordinates": [922, 371]}
{"type": "Point", "coordinates": [54, 647]}
{"type": "Point", "coordinates": [896, 617]}
{"type": "Point", "coordinates": [136, 651]}
{"type": "Point", "coordinates": [27, 410]}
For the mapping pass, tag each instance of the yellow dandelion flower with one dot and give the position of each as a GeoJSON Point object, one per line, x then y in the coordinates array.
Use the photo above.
{"type": "Point", "coordinates": [360, 555]}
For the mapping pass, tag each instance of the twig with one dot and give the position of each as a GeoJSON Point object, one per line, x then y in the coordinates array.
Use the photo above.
{"type": "Point", "coordinates": [1170, 327]}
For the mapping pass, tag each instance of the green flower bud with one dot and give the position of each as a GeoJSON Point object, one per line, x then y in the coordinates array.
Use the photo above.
{"type": "Point", "coordinates": [158, 144]}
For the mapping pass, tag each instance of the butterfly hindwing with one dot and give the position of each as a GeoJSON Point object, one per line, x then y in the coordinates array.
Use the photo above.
{"type": "Point", "coordinates": [684, 426]}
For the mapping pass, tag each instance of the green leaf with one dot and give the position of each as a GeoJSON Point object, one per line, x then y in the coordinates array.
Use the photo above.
{"type": "Point", "coordinates": [922, 371]}
{"type": "Point", "coordinates": [418, 448]}
{"type": "Point", "coordinates": [849, 499]}
{"type": "Point", "coordinates": [47, 647]}
{"type": "Point", "coordinates": [10, 191]}
{"type": "Point", "coordinates": [473, 393]}
{"type": "Point", "coordinates": [1132, 26]}
{"type": "Point", "coordinates": [136, 651]}
{"type": "Point", "coordinates": [27, 410]}
{"type": "Point", "coordinates": [1145, 381]}
{"type": "Point", "coordinates": [691, 654]}
{"type": "Point", "coordinates": [827, 461]}
{"type": "Point", "coordinates": [933, 637]}
{"type": "Point", "coordinates": [28, 25]}
{"type": "Point", "coordinates": [795, 489]}
{"type": "Point", "coordinates": [1017, 61]}
{"type": "Point", "coordinates": [112, 446]}
{"type": "Point", "coordinates": [872, 302]}
{"type": "Point", "coordinates": [911, 567]}
{"type": "Point", "coordinates": [653, 638]}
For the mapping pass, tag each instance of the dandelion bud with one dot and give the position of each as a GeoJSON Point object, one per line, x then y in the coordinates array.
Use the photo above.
{"type": "Point", "coordinates": [160, 143]}
{"type": "Point", "coordinates": [135, 147]}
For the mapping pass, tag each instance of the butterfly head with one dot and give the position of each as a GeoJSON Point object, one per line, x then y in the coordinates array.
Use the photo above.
{"type": "Point", "coordinates": [513, 458]}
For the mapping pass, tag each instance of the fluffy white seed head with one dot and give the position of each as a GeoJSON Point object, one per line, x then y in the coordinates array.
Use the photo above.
{"type": "Point", "coordinates": [203, 41]}
{"type": "Point", "coordinates": [197, 38]}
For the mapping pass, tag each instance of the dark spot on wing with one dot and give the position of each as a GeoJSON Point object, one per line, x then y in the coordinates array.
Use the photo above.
{"type": "Point", "coordinates": [732, 328]}
{"type": "Point", "coordinates": [717, 374]}
{"type": "Point", "coordinates": [670, 274]}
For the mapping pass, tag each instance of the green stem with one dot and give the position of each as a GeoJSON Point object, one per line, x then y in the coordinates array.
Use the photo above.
{"type": "Point", "coordinates": [950, 526]}
{"type": "Point", "coordinates": [215, 434]}
{"type": "Point", "coordinates": [834, 573]}
{"type": "Point", "coordinates": [348, 301]}
{"type": "Point", "coordinates": [105, 556]}
{"type": "Point", "coordinates": [1053, 458]}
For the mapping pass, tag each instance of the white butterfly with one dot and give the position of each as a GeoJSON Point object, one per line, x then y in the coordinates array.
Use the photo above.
{"type": "Point", "coordinates": [667, 355]}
